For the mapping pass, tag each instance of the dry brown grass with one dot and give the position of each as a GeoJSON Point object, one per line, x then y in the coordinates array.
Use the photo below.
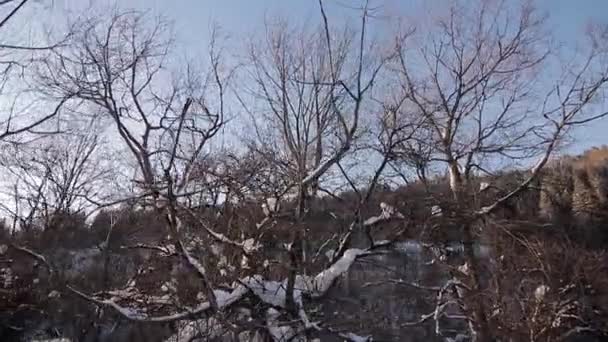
{"type": "Point", "coordinates": [576, 187]}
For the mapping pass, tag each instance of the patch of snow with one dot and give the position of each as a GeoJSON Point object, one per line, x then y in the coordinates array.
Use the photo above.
{"type": "Point", "coordinates": [3, 249]}
{"type": "Point", "coordinates": [356, 338]}
{"type": "Point", "coordinates": [323, 281]}
{"type": "Point", "coordinates": [6, 274]}
{"type": "Point", "coordinates": [480, 249]}
{"type": "Point", "coordinates": [387, 210]}
{"type": "Point", "coordinates": [250, 245]}
{"type": "Point", "coordinates": [244, 262]}
{"type": "Point", "coordinates": [270, 206]}
{"type": "Point", "coordinates": [272, 314]}
{"type": "Point", "coordinates": [224, 297]}
{"type": "Point", "coordinates": [387, 213]}
{"type": "Point", "coordinates": [132, 313]}
{"type": "Point", "coordinates": [464, 268]}
{"type": "Point", "coordinates": [131, 283]}
{"type": "Point", "coordinates": [436, 211]}
{"type": "Point", "coordinates": [170, 248]}
{"type": "Point", "coordinates": [277, 332]}
{"type": "Point", "coordinates": [329, 254]}
{"type": "Point", "coordinates": [273, 204]}
{"type": "Point", "coordinates": [373, 220]}
{"type": "Point", "coordinates": [223, 261]}
{"type": "Point", "coordinates": [483, 186]}
{"type": "Point", "coordinates": [164, 299]}
{"type": "Point", "coordinates": [457, 338]}
{"type": "Point", "coordinates": [541, 292]}
{"type": "Point", "coordinates": [54, 294]}
{"type": "Point", "coordinates": [270, 292]}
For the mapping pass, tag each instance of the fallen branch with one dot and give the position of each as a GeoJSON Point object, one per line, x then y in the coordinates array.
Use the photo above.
{"type": "Point", "coordinates": [35, 255]}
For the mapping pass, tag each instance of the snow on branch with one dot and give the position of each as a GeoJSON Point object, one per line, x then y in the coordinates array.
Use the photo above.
{"type": "Point", "coordinates": [224, 299]}
{"type": "Point", "coordinates": [269, 292]}
{"type": "Point", "coordinates": [273, 293]}
{"type": "Point", "coordinates": [321, 283]}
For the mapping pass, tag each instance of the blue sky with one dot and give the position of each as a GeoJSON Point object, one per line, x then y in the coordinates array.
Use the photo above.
{"type": "Point", "coordinates": [193, 17]}
{"type": "Point", "coordinates": [241, 18]}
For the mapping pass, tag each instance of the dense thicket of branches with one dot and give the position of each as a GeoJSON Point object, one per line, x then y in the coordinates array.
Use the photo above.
{"type": "Point", "coordinates": [123, 203]}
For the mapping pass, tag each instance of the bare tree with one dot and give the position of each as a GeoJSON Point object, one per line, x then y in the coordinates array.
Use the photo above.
{"type": "Point", "coordinates": [117, 68]}
{"type": "Point", "coordinates": [475, 81]}
{"type": "Point", "coordinates": [61, 175]}
{"type": "Point", "coordinates": [25, 114]}
{"type": "Point", "coordinates": [22, 117]}
{"type": "Point", "coordinates": [291, 75]}
{"type": "Point", "coordinates": [312, 85]}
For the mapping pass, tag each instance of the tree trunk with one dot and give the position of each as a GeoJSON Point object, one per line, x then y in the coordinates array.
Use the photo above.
{"type": "Point", "coordinates": [473, 299]}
